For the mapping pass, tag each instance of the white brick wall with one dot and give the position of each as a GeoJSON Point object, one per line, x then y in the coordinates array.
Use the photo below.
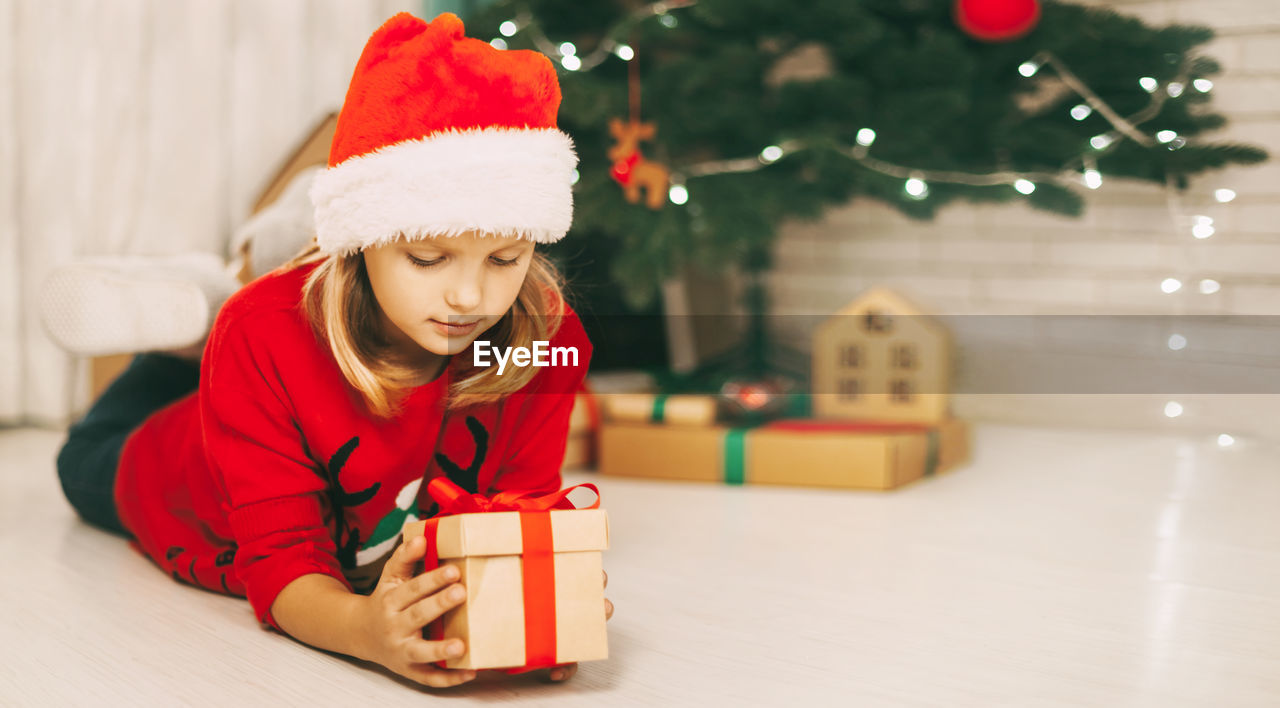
{"type": "Point", "coordinates": [1011, 259]}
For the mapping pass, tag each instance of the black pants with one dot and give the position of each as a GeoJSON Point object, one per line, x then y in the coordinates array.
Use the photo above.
{"type": "Point", "coordinates": [89, 458]}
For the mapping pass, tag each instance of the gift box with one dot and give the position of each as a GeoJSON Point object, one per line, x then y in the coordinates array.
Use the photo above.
{"type": "Point", "coordinates": [800, 452]}
{"type": "Point", "coordinates": [579, 451]}
{"type": "Point", "coordinates": [532, 570]}
{"type": "Point", "coordinates": [675, 409]}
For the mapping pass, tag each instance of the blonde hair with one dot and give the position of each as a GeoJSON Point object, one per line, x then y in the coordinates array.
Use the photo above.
{"type": "Point", "coordinates": [340, 306]}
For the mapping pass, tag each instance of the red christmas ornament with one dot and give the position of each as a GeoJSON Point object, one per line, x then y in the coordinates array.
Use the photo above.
{"type": "Point", "coordinates": [997, 20]}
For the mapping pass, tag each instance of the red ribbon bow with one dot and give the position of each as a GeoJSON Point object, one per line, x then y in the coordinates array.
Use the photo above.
{"type": "Point", "coordinates": [537, 557]}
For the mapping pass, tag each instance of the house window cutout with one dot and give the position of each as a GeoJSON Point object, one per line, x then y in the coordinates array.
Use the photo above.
{"type": "Point", "coordinates": [903, 356]}
{"type": "Point", "coordinates": [849, 389]}
{"type": "Point", "coordinates": [877, 322]}
{"type": "Point", "coordinates": [851, 356]}
{"type": "Point", "coordinates": [900, 391]}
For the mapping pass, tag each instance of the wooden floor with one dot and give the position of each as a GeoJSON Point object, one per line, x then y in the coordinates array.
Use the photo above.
{"type": "Point", "coordinates": [1060, 568]}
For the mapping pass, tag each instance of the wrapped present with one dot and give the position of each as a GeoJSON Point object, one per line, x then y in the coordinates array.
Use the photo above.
{"type": "Point", "coordinates": [585, 417]}
{"type": "Point", "coordinates": [579, 451]}
{"type": "Point", "coordinates": [801, 452]}
{"type": "Point", "coordinates": [675, 409]}
{"type": "Point", "coordinates": [531, 566]}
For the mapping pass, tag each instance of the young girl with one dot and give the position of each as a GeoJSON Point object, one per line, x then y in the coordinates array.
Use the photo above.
{"type": "Point", "coordinates": [333, 386]}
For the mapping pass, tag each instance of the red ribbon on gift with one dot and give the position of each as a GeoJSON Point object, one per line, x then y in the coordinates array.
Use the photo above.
{"type": "Point", "coordinates": [537, 557]}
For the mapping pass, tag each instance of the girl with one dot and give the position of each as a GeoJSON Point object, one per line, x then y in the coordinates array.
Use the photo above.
{"type": "Point", "coordinates": [331, 387]}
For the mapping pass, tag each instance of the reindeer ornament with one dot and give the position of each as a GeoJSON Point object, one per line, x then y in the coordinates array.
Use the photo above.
{"type": "Point", "coordinates": [631, 169]}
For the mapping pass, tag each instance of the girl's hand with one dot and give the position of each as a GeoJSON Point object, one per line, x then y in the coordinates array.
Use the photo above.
{"type": "Point", "coordinates": [563, 673]}
{"type": "Point", "coordinates": [393, 616]}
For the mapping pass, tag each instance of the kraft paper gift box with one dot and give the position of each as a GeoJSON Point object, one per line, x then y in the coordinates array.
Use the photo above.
{"type": "Point", "coordinates": [533, 574]}
{"type": "Point", "coordinates": [675, 409]}
{"type": "Point", "coordinates": [808, 452]}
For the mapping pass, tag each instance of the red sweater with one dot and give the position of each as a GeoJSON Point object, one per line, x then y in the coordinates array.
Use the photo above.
{"type": "Point", "coordinates": [273, 469]}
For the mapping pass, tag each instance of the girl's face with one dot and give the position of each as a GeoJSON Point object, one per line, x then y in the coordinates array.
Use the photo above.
{"type": "Point", "coordinates": [426, 288]}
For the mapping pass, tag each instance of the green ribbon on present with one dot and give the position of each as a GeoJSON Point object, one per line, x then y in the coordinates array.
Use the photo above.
{"type": "Point", "coordinates": [931, 452]}
{"type": "Point", "coordinates": [659, 408]}
{"type": "Point", "coordinates": [735, 455]}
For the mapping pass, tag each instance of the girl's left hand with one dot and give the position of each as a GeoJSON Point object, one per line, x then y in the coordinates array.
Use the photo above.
{"type": "Point", "coordinates": [564, 672]}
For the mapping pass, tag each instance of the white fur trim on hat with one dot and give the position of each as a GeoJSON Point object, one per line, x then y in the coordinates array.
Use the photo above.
{"type": "Point", "coordinates": [499, 181]}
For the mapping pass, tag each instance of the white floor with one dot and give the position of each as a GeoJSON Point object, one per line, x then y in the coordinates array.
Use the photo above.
{"type": "Point", "coordinates": [1060, 568]}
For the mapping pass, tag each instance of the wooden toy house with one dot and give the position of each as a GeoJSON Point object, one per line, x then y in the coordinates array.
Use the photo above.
{"type": "Point", "coordinates": [881, 359]}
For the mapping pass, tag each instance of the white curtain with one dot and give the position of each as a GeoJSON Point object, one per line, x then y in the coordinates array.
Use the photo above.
{"type": "Point", "coordinates": [145, 126]}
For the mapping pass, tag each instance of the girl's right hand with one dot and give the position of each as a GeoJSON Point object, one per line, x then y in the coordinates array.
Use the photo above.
{"type": "Point", "coordinates": [392, 617]}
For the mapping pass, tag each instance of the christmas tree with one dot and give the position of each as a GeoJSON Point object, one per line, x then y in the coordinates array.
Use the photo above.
{"type": "Point", "coordinates": [767, 110]}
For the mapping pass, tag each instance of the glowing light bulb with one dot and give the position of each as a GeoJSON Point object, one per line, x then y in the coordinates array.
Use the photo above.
{"type": "Point", "coordinates": [770, 154]}
{"type": "Point", "coordinates": [1029, 68]}
{"type": "Point", "coordinates": [1081, 111]}
{"type": "Point", "coordinates": [568, 49]}
{"type": "Point", "coordinates": [1225, 440]}
{"type": "Point", "coordinates": [1092, 179]}
{"type": "Point", "coordinates": [625, 52]}
{"type": "Point", "coordinates": [508, 28]}
{"type": "Point", "coordinates": [1172, 409]}
{"type": "Point", "coordinates": [1170, 285]}
{"type": "Point", "coordinates": [917, 188]}
{"type": "Point", "coordinates": [866, 136]}
{"type": "Point", "coordinates": [571, 63]}
{"type": "Point", "coordinates": [1203, 85]}
{"type": "Point", "coordinates": [678, 194]}
{"type": "Point", "coordinates": [498, 43]}
{"type": "Point", "coordinates": [1204, 229]}
{"type": "Point", "coordinates": [1165, 136]}
{"type": "Point", "coordinates": [1024, 186]}
{"type": "Point", "coordinates": [1148, 84]}
{"type": "Point", "coordinates": [1177, 342]}
{"type": "Point", "coordinates": [574, 179]}
{"type": "Point", "coordinates": [1100, 142]}
{"type": "Point", "coordinates": [1224, 195]}
{"type": "Point", "coordinates": [1209, 286]}
{"type": "Point", "coordinates": [1174, 89]}
{"type": "Point", "coordinates": [668, 21]}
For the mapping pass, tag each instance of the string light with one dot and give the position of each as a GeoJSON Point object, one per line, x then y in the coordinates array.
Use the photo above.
{"type": "Point", "coordinates": [678, 194]}
{"type": "Point", "coordinates": [1209, 287]}
{"type": "Point", "coordinates": [1224, 195]}
{"type": "Point", "coordinates": [1170, 285]}
{"type": "Point", "coordinates": [1177, 342]}
{"type": "Point", "coordinates": [1166, 136]}
{"type": "Point", "coordinates": [1225, 440]}
{"type": "Point", "coordinates": [1172, 409]}
{"type": "Point", "coordinates": [1203, 228]}
{"type": "Point", "coordinates": [1101, 142]}
{"type": "Point", "coordinates": [916, 188]}
{"type": "Point", "coordinates": [498, 43]}
{"type": "Point", "coordinates": [915, 185]}
{"type": "Point", "coordinates": [575, 177]}
{"type": "Point", "coordinates": [508, 28]}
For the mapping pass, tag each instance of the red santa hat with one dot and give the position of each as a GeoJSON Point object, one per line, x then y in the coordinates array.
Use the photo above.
{"type": "Point", "coordinates": [441, 134]}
